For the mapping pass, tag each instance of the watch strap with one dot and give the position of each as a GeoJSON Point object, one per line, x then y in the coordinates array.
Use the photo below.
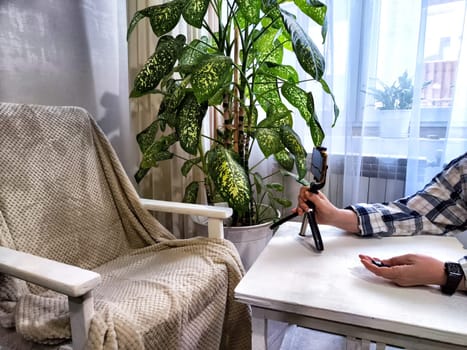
{"type": "Point", "coordinates": [454, 274]}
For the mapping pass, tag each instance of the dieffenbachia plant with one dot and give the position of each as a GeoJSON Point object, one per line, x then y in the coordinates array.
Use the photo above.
{"type": "Point", "coordinates": [235, 67]}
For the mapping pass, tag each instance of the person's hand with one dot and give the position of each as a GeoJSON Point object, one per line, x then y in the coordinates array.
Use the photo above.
{"type": "Point", "coordinates": [408, 270]}
{"type": "Point", "coordinates": [325, 212]}
{"type": "Point", "coordinates": [324, 208]}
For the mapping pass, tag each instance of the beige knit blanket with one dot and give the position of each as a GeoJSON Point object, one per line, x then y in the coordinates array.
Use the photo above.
{"type": "Point", "coordinates": [65, 196]}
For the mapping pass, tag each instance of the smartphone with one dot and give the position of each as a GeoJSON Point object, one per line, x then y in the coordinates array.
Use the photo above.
{"type": "Point", "coordinates": [319, 167]}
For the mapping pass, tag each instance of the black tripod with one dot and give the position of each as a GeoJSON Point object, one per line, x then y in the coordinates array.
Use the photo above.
{"type": "Point", "coordinates": [310, 217]}
{"type": "Point", "coordinates": [318, 169]}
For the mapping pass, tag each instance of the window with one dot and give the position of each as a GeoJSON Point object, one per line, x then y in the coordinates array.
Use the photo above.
{"type": "Point", "coordinates": [371, 44]}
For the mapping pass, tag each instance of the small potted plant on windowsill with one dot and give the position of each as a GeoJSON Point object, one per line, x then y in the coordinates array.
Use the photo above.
{"type": "Point", "coordinates": [236, 69]}
{"type": "Point", "coordinates": [394, 105]}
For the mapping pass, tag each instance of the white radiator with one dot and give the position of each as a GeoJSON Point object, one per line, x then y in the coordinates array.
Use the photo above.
{"type": "Point", "coordinates": [381, 179]}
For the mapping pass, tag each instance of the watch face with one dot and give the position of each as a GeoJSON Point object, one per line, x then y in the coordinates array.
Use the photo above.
{"type": "Point", "coordinates": [454, 269]}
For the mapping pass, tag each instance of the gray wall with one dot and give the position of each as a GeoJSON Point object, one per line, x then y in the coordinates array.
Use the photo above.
{"type": "Point", "coordinates": [69, 52]}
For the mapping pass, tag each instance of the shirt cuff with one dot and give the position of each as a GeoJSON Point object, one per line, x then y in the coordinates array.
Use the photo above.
{"type": "Point", "coordinates": [364, 217]}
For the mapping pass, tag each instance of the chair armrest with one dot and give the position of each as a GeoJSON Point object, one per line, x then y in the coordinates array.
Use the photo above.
{"type": "Point", "coordinates": [63, 278]}
{"type": "Point", "coordinates": [187, 208]}
{"type": "Point", "coordinates": [215, 215]}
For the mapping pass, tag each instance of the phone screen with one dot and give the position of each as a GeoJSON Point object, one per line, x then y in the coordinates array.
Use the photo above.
{"type": "Point", "coordinates": [318, 164]}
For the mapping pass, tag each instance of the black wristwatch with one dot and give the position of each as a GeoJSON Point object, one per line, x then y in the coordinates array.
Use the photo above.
{"type": "Point", "coordinates": [454, 274]}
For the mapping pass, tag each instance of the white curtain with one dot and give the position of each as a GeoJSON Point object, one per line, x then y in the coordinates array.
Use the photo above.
{"type": "Point", "coordinates": [69, 52]}
{"type": "Point", "coordinates": [377, 41]}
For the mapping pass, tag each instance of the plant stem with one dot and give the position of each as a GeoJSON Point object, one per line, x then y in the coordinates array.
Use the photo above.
{"type": "Point", "coordinates": [207, 180]}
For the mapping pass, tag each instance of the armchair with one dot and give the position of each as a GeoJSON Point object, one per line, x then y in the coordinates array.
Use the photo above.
{"type": "Point", "coordinates": [83, 262]}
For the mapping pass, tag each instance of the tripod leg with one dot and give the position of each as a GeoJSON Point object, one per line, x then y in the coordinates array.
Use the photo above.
{"type": "Point", "coordinates": [314, 229]}
{"type": "Point", "coordinates": [304, 226]}
{"type": "Point", "coordinates": [281, 221]}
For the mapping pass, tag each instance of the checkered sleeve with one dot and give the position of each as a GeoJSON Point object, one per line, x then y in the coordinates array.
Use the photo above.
{"type": "Point", "coordinates": [440, 207]}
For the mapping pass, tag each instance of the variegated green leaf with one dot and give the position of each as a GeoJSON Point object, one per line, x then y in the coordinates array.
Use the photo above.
{"type": "Point", "coordinates": [317, 133]}
{"type": "Point", "coordinates": [163, 18]}
{"type": "Point", "coordinates": [279, 115]}
{"type": "Point", "coordinates": [167, 114]}
{"type": "Point", "coordinates": [186, 167]}
{"type": "Point", "coordinates": [140, 174]}
{"type": "Point", "coordinates": [194, 12]}
{"type": "Point", "coordinates": [316, 10]}
{"type": "Point", "coordinates": [218, 97]}
{"type": "Point", "coordinates": [300, 164]}
{"type": "Point", "coordinates": [284, 202]}
{"type": "Point", "coordinates": [271, 10]}
{"type": "Point", "coordinates": [303, 182]}
{"type": "Point", "coordinates": [250, 9]}
{"type": "Point", "coordinates": [269, 141]}
{"type": "Point", "coordinates": [138, 16]}
{"type": "Point", "coordinates": [158, 65]}
{"type": "Point", "coordinates": [275, 186]}
{"type": "Point", "coordinates": [266, 46]}
{"type": "Point", "coordinates": [230, 179]}
{"type": "Point", "coordinates": [158, 151]}
{"type": "Point", "coordinates": [292, 141]}
{"type": "Point", "coordinates": [191, 55]}
{"type": "Point", "coordinates": [303, 101]}
{"type": "Point", "coordinates": [266, 90]}
{"type": "Point", "coordinates": [336, 108]}
{"type": "Point", "coordinates": [276, 116]}
{"type": "Point", "coordinates": [285, 40]}
{"type": "Point", "coordinates": [174, 95]}
{"type": "Point", "coordinates": [210, 76]}
{"type": "Point", "coordinates": [147, 137]}
{"type": "Point", "coordinates": [167, 118]}
{"type": "Point", "coordinates": [285, 72]}
{"type": "Point", "coordinates": [191, 192]}
{"type": "Point", "coordinates": [285, 159]}
{"type": "Point", "coordinates": [308, 55]}
{"type": "Point", "coordinates": [297, 98]}
{"type": "Point", "coordinates": [190, 117]}
{"type": "Point", "coordinates": [152, 159]}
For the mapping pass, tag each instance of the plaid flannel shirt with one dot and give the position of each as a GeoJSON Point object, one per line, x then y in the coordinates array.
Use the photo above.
{"type": "Point", "coordinates": [440, 207]}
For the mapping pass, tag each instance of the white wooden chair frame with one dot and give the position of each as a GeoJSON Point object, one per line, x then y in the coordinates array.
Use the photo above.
{"type": "Point", "coordinates": [78, 283]}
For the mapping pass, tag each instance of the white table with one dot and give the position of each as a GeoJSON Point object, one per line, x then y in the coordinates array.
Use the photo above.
{"type": "Point", "coordinates": [331, 290]}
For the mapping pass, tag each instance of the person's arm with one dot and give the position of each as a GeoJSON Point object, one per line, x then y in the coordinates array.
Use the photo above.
{"type": "Point", "coordinates": [326, 213]}
{"type": "Point", "coordinates": [411, 270]}
{"type": "Point", "coordinates": [438, 208]}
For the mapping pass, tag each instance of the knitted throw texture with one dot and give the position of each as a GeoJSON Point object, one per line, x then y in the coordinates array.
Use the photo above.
{"type": "Point", "coordinates": [65, 196]}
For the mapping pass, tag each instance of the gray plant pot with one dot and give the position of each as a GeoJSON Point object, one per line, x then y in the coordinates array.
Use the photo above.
{"type": "Point", "coordinates": [249, 240]}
